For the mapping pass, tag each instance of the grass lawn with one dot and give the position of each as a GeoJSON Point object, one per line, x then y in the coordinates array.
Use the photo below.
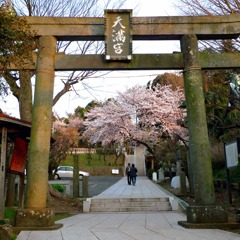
{"type": "Point", "coordinates": [96, 166]}
{"type": "Point", "coordinates": [60, 216]}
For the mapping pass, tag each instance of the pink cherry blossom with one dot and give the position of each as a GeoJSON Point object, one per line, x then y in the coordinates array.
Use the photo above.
{"type": "Point", "coordinates": [139, 114]}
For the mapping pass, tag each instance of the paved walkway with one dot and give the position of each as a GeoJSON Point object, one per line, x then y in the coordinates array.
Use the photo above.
{"type": "Point", "coordinates": [144, 189]}
{"type": "Point", "coordinates": [128, 226]}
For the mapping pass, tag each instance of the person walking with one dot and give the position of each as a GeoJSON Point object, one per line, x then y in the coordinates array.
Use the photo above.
{"type": "Point", "coordinates": [133, 174]}
{"type": "Point", "coordinates": [128, 168]}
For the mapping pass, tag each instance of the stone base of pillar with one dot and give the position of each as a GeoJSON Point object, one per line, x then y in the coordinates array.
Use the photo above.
{"type": "Point", "coordinates": [208, 217]}
{"type": "Point", "coordinates": [35, 219]}
{"type": "Point", "coordinates": [207, 214]}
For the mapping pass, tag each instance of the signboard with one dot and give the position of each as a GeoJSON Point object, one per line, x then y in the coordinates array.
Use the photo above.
{"type": "Point", "coordinates": [115, 171]}
{"type": "Point", "coordinates": [118, 35]}
{"type": "Point", "coordinates": [231, 154]}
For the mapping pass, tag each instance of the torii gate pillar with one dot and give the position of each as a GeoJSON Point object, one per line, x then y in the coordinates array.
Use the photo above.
{"type": "Point", "coordinates": [36, 214]}
{"type": "Point", "coordinates": [205, 211]}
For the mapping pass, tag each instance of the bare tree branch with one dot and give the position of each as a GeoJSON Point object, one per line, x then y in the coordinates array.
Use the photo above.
{"type": "Point", "coordinates": [68, 8]}
{"type": "Point", "coordinates": [212, 7]}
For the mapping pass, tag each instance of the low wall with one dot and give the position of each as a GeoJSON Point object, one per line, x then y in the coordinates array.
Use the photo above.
{"type": "Point", "coordinates": [103, 170]}
{"type": "Point", "coordinates": [82, 151]}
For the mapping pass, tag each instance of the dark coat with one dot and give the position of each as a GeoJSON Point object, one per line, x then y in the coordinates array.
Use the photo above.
{"type": "Point", "coordinates": [133, 172]}
{"type": "Point", "coordinates": [128, 169]}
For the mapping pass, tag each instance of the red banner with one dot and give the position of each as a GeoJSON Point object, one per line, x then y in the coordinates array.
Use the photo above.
{"type": "Point", "coordinates": [19, 157]}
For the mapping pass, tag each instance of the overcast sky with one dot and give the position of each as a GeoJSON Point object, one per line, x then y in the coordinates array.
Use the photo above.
{"type": "Point", "coordinates": [105, 87]}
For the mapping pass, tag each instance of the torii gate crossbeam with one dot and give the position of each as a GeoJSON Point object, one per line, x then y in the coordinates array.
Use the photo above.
{"type": "Point", "coordinates": [139, 61]}
{"type": "Point", "coordinates": [144, 28]}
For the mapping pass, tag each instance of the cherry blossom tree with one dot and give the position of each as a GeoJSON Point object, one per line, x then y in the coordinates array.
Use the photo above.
{"type": "Point", "coordinates": [66, 136]}
{"type": "Point", "coordinates": [141, 115]}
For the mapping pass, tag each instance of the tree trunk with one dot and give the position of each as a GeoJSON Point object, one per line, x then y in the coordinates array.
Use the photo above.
{"type": "Point", "coordinates": [25, 95]}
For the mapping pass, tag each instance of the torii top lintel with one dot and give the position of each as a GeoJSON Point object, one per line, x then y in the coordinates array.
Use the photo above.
{"type": "Point", "coordinates": [143, 28]}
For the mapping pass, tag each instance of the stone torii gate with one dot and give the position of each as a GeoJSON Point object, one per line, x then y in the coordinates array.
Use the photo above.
{"type": "Point", "coordinates": [188, 30]}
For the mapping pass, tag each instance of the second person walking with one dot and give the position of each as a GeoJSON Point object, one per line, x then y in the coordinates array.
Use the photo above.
{"type": "Point", "coordinates": [133, 174]}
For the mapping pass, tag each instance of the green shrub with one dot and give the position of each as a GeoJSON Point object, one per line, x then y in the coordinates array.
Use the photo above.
{"type": "Point", "coordinates": [9, 213]}
{"type": "Point", "coordinates": [233, 172]}
{"type": "Point", "coordinates": [219, 173]}
{"type": "Point", "coordinates": [150, 172]}
{"type": "Point", "coordinates": [2, 222]}
{"type": "Point", "coordinates": [58, 187]}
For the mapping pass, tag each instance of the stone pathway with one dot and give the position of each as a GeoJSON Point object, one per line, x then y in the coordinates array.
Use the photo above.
{"type": "Point", "coordinates": [128, 226]}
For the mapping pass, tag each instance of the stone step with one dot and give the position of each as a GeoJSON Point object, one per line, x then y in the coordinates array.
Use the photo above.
{"type": "Point", "coordinates": [131, 209]}
{"type": "Point", "coordinates": [106, 200]}
{"type": "Point", "coordinates": [130, 205]}
{"type": "Point", "coordinates": [117, 206]}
